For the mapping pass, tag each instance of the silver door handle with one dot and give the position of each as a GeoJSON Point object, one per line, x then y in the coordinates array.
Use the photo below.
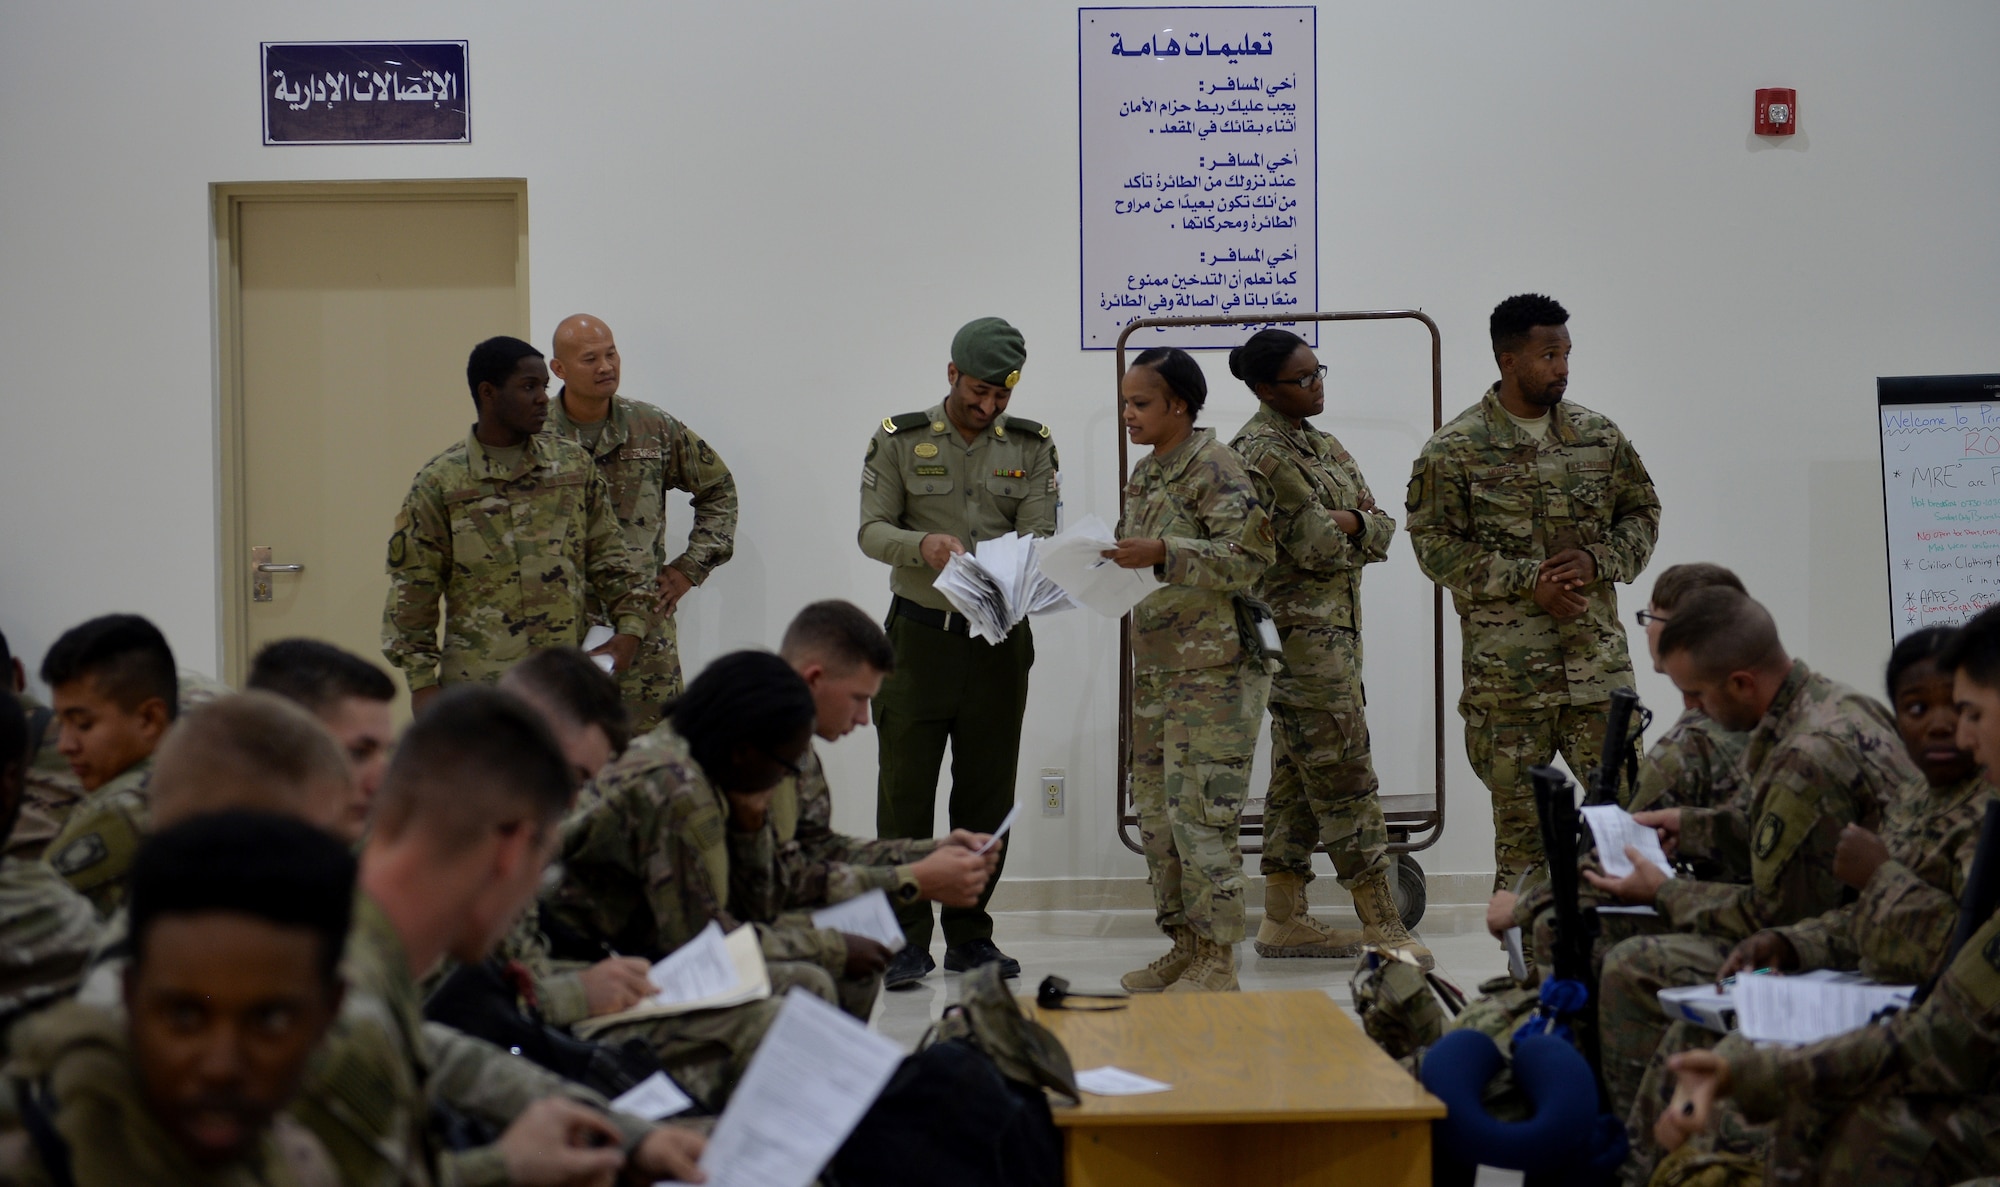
{"type": "Point", "coordinates": [260, 564]}
{"type": "Point", "coordinates": [281, 568]}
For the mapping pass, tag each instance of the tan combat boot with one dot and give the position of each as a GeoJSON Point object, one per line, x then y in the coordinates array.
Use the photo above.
{"type": "Point", "coordinates": [1288, 931]}
{"type": "Point", "coordinates": [1167, 969]}
{"type": "Point", "coordinates": [1381, 924]}
{"type": "Point", "coordinates": [1213, 970]}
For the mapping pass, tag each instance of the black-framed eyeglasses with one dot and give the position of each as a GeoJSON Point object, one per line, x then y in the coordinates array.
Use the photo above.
{"type": "Point", "coordinates": [1309, 380]}
{"type": "Point", "coordinates": [1647, 617]}
{"type": "Point", "coordinates": [793, 768]}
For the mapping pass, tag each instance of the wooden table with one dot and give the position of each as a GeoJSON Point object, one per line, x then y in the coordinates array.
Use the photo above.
{"type": "Point", "coordinates": [1270, 1090]}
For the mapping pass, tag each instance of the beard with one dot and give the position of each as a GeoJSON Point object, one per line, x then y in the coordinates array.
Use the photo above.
{"type": "Point", "coordinates": [1548, 396]}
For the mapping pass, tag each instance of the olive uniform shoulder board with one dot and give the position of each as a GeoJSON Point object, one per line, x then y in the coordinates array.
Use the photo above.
{"type": "Point", "coordinates": [909, 420]}
{"type": "Point", "coordinates": [1021, 424]}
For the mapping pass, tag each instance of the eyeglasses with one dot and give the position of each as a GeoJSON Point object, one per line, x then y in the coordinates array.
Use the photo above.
{"type": "Point", "coordinates": [1647, 617]}
{"type": "Point", "coordinates": [796, 770]}
{"type": "Point", "coordinates": [1309, 380]}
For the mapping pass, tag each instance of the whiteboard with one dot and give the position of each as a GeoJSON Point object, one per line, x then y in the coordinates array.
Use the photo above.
{"type": "Point", "coordinates": [1198, 162]}
{"type": "Point", "coordinates": [1940, 497]}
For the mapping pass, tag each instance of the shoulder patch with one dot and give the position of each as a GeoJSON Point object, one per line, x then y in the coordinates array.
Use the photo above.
{"type": "Point", "coordinates": [80, 854]}
{"type": "Point", "coordinates": [909, 420]}
{"type": "Point", "coordinates": [1021, 424]}
{"type": "Point", "coordinates": [1769, 834]}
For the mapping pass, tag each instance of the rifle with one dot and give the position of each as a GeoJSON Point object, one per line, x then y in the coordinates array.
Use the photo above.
{"type": "Point", "coordinates": [1619, 761]}
{"type": "Point", "coordinates": [1561, 825]}
{"type": "Point", "coordinates": [1981, 898]}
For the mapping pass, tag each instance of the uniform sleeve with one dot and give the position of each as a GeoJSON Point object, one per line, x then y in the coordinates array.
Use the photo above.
{"type": "Point", "coordinates": [883, 536]}
{"type": "Point", "coordinates": [1304, 527]}
{"type": "Point", "coordinates": [757, 894]}
{"type": "Point", "coordinates": [817, 844]}
{"type": "Point", "coordinates": [1036, 514]}
{"type": "Point", "coordinates": [1825, 941]}
{"type": "Point", "coordinates": [1635, 519]}
{"type": "Point", "coordinates": [419, 564]}
{"type": "Point", "coordinates": [1904, 925]}
{"type": "Point", "coordinates": [614, 571]}
{"type": "Point", "coordinates": [1948, 1046]}
{"type": "Point", "coordinates": [1439, 506]}
{"type": "Point", "coordinates": [700, 471]}
{"type": "Point", "coordinates": [1236, 544]}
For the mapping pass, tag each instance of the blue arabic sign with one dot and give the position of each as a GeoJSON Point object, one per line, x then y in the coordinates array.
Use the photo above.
{"type": "Point", "coordinates": [366, 92]}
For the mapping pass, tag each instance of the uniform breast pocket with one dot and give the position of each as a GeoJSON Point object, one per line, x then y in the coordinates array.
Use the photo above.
{"type": "Point", "coordinates": [1503, 514]}
{"type": "Point", "coordinates": [558, 513]}
{"type": "Point", "coordinates": [1588, 485]}
{"type": "Point", "coordinates": [1006, 492]}
{"type": "Point", "coordinates": [927, 485]}
{"type": "Point", "coordinates": [482, 529]}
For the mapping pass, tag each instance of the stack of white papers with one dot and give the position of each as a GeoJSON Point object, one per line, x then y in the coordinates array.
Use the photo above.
{"type": "Point", "coordinates": [1613, 828]}
{"type": "Point", "coordinates": [1116, 1081]}
{"type": "Point", "coordinates": [708, 972]}
{"type": "Point", "coordinates": [868, 916]}
{"type": "Point", "coordinates": [998, 584]}
{"type": "Point", "coordinates": [1793, 1011]}
{"type": "Point", "coordinates": [812, 1078]}
{"type": "Point", "coordinates": [1074, 559]}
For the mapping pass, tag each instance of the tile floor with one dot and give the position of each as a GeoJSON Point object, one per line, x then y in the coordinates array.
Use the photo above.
{"type": "Point", "coordinates": [1093, 948]}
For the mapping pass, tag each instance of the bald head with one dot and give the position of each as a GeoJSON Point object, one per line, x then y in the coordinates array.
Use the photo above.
{"type": "Point", "coordinates": [586, 361]}
{"type": "Point", "coordinates": [260, 752]}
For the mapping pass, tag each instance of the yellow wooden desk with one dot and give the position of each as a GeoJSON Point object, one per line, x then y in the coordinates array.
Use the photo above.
{"type": "Point", "coordinates": [1270, 1090]}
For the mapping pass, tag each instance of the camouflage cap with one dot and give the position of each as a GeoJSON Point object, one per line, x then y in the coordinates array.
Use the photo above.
{"type": "Point", "coordinates": [990, 351]}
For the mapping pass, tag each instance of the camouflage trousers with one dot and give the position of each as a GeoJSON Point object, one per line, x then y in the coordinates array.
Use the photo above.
{"type": "Point", "coordinates": [708, 1050]}
{"type": "Point", "coordinates": [1731, 1140]}
{"type": "Point", "coordinates": [654, 677]}
{"type": "Point", "coordinates": [1323, 786]}
{"type": "Point", "coordinates": [1502, 745]}
{"type": "Point", "coordinates": [1630, 1023]}
{"type": "Point", "coordinates": [856, 995]}
{"type": "Point", "coordinates": [1193, 736]}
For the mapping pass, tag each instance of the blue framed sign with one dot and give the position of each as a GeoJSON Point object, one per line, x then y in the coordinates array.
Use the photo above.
{"type": "Point", "coordinates": [366, 92]}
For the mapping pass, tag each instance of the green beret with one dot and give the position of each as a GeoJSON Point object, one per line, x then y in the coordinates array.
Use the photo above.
{"type": "Point", "coordinates": [990, 351]}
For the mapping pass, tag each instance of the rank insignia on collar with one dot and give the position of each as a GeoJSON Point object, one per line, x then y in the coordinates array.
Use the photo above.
{"type": "Point", "coordinates": [937, 426]}
{"type": "Point", "coordinates": [925, 449]}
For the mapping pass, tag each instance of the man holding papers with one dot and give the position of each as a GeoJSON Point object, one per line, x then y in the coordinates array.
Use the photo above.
{"type": "Point", "coordinates": [843, 656]}
{"type": "Point", "coordinates": [933, 484]}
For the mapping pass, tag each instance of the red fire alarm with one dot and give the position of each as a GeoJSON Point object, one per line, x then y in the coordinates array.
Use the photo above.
{"type": "Point", "coordinates": [1777, 111]}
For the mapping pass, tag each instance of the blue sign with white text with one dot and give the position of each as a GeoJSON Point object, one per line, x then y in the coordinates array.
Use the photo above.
{"type": "Point", "coordinates": [366, 92]}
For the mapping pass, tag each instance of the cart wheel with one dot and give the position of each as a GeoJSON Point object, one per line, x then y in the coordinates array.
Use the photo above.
{"type": "Point", "coordinates": [1406, 887]}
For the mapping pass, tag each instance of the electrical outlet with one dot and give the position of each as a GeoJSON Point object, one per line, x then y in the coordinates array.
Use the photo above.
{"type": "Point", "coordinates": [1052, 791]}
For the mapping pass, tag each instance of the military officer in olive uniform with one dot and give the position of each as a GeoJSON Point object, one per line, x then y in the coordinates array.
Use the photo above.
{"type": "Point", "coordinates": [1528, 508]}
{"type": "Point", "coordinates": [935, 483]}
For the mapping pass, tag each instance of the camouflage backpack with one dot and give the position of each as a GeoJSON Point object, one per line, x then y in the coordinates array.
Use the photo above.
{"type": "Point", "coordinates": [1024, 1050]}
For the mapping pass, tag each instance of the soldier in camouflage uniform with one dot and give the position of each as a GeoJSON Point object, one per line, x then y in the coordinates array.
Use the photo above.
{"type": "Point", "coordinates": [116, 695]}
{"type": "Point", "coordinates": [384, 1077]}
{"type": "Point", "coordinates": [515, 530]}
{"type": "Point", "coordinates": [1323, 785]}
{"type": "Point", "coordinates": [643, 453]}
{"type": "Point", "coordinates": [664, 844]}
{"type": "Point", "coordinates": [1199, 685]}
{"type": "Point", "coordinates": [1910, 882]}
{"type": "Point", "coordinates": [46, 928]}
{"type": "Point", "coordinates": [1821, 756]}
{"type": "Point", "coordinates": [1528, 508]}
{"type": "Point", "coordinates": [935, 483]}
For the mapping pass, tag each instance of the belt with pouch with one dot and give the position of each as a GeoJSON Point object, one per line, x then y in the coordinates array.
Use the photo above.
{"type": "Point", "coordinates": [951, 622]}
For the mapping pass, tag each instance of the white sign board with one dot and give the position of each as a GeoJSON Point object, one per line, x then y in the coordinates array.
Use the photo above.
{"type": "Point", "coordinates": [1941, 497]}
{"type": "Point", "coordinates": [1198, 151]}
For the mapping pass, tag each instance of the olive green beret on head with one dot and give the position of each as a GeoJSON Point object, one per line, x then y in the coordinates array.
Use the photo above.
{"type": "Point", "coordinates": [990, 351]}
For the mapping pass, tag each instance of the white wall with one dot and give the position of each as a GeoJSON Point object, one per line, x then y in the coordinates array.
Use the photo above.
{"type": "Point", "coordinates": [785, 208]}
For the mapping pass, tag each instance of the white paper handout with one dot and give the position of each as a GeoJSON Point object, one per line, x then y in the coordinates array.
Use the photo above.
{"type": "Point", "coordinates": [1074, 559]}
{"type": "Point", "coordinates": [1116, 1081]}
{"type": "Point", "coordinates": [867, 915]}
{"type": "Point", "coordinates": [998, 584]}
{"type": "Point", "coordinates": [1005, 825]}
{"type": "Point", "coordinates": [653, 1098]}
{"type": "Point", "coordinates": [597, 636]}
{"type": "Point", "coordinates": [708, 972]}
{"type": "Point", "coordinates": [1793, 1011]}
{"type": "Point", "coordinates": [1613, 828]}
{"type": "Point", "coordinates": [813, 1076]}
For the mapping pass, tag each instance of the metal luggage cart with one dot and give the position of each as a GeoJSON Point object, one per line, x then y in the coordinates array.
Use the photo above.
{"type": "Point", "coordinates": [1412, 825]}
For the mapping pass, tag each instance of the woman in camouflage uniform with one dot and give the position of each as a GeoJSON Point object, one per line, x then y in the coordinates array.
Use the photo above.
{"type": "Point", "coordinates": [1199, 687]}
{"type": "Point", "coordinates": [1323, 785]}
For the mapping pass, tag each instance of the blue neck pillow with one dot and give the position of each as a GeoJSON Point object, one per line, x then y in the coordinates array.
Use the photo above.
{"type": "Point", "coordinates": [1565, 1137]}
